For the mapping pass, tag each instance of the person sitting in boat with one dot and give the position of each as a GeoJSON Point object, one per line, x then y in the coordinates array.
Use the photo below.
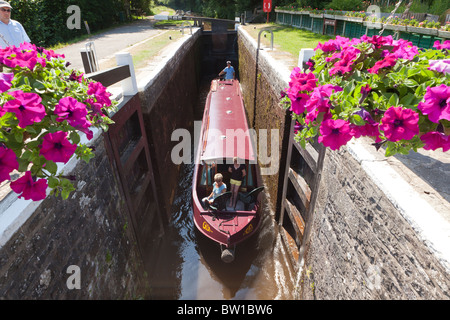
{"type": "Point", "coordinates": [228, 72]}
{"type": "Point", "coordinates": [237, 174]}
{"type": "Point", "coordinates": [218, 188]}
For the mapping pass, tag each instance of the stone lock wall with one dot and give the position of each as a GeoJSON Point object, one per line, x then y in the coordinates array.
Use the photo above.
{"type": "Point", "coordinates": [360, 245]}
{"type": "Point", "coordinates": [88, 230]}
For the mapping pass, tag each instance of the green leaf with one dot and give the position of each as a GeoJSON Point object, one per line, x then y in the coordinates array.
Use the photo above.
{"type": "Point", "coordinates": [408, 99]}
{"type": "Point", "coordinates": [358, 120]}
{"type": "Point", "coordinates": [413, 71]}
{"type": "Point", "coordinates": [410, 83]}
{"type": "Point", "coordinates": [30, 129]}
{"type": "Point", "coordinates": [66, 188]}
{"type": "Point", "coordinates": [85, 153]}
{"type": "Point", "coordinates": [23, 164]}
{"type": "Point", "coordinates": [75, 137]}
{"type": "Point", "coordinates": [393, 100]}
{"type": "Point", "coordinates": [53, 182]}
{"type": "Point", "coordinates": [51, 167]}
{"type": "Point", "coordinates": [18, 136]}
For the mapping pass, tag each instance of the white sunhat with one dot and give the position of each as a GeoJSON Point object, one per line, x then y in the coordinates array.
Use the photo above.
{"type": "Point", "coordinates": [5, 4]}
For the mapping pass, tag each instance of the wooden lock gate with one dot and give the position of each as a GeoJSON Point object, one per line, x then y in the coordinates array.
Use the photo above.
{"type": "Point", "coordinates": [300, 188]}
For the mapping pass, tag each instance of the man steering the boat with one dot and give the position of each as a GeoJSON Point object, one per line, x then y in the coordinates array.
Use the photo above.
{"type": "Point", "coordinates": [228, 72]}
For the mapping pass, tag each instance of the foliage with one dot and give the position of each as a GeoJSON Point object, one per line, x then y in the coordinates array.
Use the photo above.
{"type": "Point", "coordinates": [349, 5]}
{"type": "Point", "coordinates": [317, 4]}
{"type": "Point", "coordinates": [141, 4]}
{"type": "Point", "coordinates": [377, 87]}
{"type": "Point", "coordinates": [44, 108]}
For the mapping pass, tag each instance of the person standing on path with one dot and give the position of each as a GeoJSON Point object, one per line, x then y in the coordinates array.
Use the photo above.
{"type": "Point", "coordinates": [12, 32]}
{"type": "Point", "coordinates": [228, 71]}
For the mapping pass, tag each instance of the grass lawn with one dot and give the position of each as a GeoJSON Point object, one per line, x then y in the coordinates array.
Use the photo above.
{"type": "Point", "coordinates": [172, 23]}
{"type": "Point", "coordinates": [143, 52]}
{"type": "Point", "coordinates": [286, 38]}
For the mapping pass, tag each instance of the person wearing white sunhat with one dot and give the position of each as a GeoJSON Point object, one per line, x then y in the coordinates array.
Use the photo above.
{"type": "Point", "coordinates": [12, 32]}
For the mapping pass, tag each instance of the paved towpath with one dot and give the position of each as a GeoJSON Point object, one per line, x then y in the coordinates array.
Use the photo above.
{"type": "Point", "coordinates": [111, 41]}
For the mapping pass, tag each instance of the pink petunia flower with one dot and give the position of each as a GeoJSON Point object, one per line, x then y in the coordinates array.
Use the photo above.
{"type": "Point", "coordinates": [435, 140]}
{"type": "Point", "coordinates": [302, 81]}
{"type": "Point", "coordinates": [298, 102]}
{"type": "Point", "coordinates": [8, 163]}
{"type": "Point", "coordinates": [441, 46]}
{"type": "Point", "coordinates": [5, 81]}
{"type": "Point", "coordinates": [70, 109]}
{"type": "Point", "coordinates": [378, 41]}
{"type": "Point", "coordinates": [27, 107]}
{"type": "Point", "coordinates": [400, 124]}
{"type": "Point", "coordinates": [313, 115]}
{"type": "Point", "coordinates": [388, 62]}
{"type": "Point", "coordinates": [100, 93]}
{"type": "Point", "coordinates": [335, 133]}
{"type": "Point", "coordinates": [440, 65]}
{"type": "Point", "coordinates": [74, 77]}
{"type": "Point", "coordinates": [345, 63]}
{"type": "Point", "coordinates": [320, 98]}
{"type": "Point", "coordinates": [436, 103]}
{"type": "Point", "coordinates": [57, 148]}
{"type": "Point", "coordinates": [329, 46]}
{"type": "Point", "coordinates": [404, 49]}
{"type": "Point", "coordinates": [24, 59]}
{"type": "Point", "coordinates": [28, 188]}
{"type": "Point", "coordinates": [96, 107]}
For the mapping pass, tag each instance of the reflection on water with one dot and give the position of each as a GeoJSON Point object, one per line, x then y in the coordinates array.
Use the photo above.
{"type": "Point", "coordinates": [189, 265]}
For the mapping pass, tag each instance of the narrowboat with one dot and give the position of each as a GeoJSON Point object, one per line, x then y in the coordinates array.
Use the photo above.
{"type": "Point", "coordinates": [225, 135]}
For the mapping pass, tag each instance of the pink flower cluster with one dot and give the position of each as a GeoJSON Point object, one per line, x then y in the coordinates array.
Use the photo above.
{"type": "Point", "coordinates": [442, 46]}
{"type": "Point", "coordinates": [315, 101]}
{"type": "Point", "coordinates": [312, 100]}
{"type": "Point", "coordinates": [26, 56]}
{"type": "Point", "coordinates": [28, 109]}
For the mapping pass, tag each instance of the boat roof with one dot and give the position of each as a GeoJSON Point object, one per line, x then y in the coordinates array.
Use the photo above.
{"type": "Point", "coordinates": [226, 133]}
